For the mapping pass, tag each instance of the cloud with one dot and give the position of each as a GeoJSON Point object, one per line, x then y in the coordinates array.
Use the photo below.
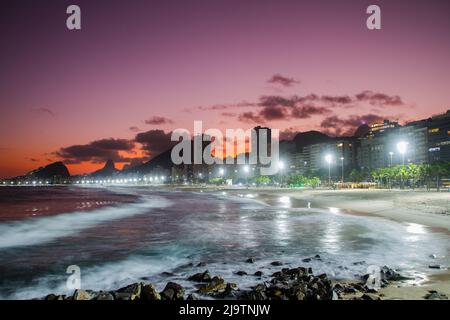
{"type": "Point", "coordinates": [308, 111]}
{"type": "Point", "coordinates": [155, 141]}
{"type": "Point", "coordinates": [376, 98]}
{"type": "Point", "coordinates": [43, 111]}
{"type": "Point", "coordinates": [282, 80]}
{"type": "Point", "coordinates": [337, 126]}
{"type": "Point", "coordinates": [228, 114]}
{"type": "Point", "coordinates": [158, 121]}
{"type": "Point", "coordinates": [282, 108]}
{"type": "Point", "coordinates": [250, 116]}
{"type": "Point", "coordinates": [274, 113]}
{"type": "Point", "coordinates": [96, 151]}
{"type": "Point", "coordinates": [134, 129]}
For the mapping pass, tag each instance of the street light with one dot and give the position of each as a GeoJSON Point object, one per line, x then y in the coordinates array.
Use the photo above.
{"type": "Point", "coordinates": [281, 167]}
{"type": "Point", "coordinates": [401, 147]}
{"type": "Point", "coordinates": [391, 154]}
{"type": "Point", "coordinates": [328, 159]}
{"type": "Point", "coordinates": [342, 164]}
{"type": "Point", "coordinates": [221, 172]}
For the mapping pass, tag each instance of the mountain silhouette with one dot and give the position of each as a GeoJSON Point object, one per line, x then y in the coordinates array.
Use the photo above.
{"type": "Point", "coordinates": [51, 171]}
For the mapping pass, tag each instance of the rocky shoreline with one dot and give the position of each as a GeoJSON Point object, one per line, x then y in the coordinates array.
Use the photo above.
{"type": "Point", "coordinates": [287, 284]}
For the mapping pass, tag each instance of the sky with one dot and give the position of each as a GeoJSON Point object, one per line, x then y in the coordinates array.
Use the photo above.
{"type": "Point", "coordinates": [139, 69]}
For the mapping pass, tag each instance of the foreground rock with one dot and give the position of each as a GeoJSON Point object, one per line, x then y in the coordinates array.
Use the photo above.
{"type": "Point", "coordinates": [287, 284]}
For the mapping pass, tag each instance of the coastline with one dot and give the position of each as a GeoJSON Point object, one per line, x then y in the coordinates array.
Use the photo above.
{"type": "Point", "coordinates": [431, 211]}
{"type": "Point", "coordinates": [379, 203]}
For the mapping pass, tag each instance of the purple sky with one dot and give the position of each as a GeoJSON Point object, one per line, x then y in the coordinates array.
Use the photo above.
{"type": "Point", "coordinates": [173, 62]}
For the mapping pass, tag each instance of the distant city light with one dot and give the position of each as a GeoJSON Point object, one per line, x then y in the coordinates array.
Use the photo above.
{"type": "Point", "coordinates": [246, 168]}
{"type": "Point", "coordinates": [328, 158]}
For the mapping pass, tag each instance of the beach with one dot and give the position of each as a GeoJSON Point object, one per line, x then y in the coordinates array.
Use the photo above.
{"type": "Point", "coordinates": [424, 208]}
{"type": "Point", "coordinates": [171, 233]}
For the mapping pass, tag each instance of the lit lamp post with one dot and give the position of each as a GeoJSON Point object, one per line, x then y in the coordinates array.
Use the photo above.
{"type": "Point", "coordinates": [221, 172]}
{"type": "Point", "coordinates": [328, 159]}
{"type": "Point", "coordinates": [401, 147]}
{"type": "Point", "coordinates": [342, 167]}
{"type": "Point", "coordinates": [246, 172]}
{"type": "Point", "coordinates": [281, 167]}
{"type": "Point", "coordinates": [391, 154]}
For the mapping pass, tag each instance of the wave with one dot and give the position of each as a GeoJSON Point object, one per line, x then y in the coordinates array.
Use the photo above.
{"type": "Point", "coordinates": [46, 229]}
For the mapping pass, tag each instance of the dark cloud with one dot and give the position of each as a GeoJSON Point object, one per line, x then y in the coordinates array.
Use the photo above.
{"type": "Point", "coordinates": [307, 111]}
{"type": "Point", "coordinates": [96, 151]}
{"type": "Point", "coordinates": [281, 108]}
{"type": "Point", "coordinates": [376, 98]}
{"type": "Point", "coordinates": [274, 113]}
{"type": "Point", "coordinates": [155, 141]}
{"type": "Point", "coordinates": [282, 80]}
{"type": "Point", "coordinates": [250, 116]}
{"type": "Point", "coordinates": [337, 126]}
{"type": "Point", "coordinates": [158, 121]}
{"type": "Point", "coordinates": [134, 129]}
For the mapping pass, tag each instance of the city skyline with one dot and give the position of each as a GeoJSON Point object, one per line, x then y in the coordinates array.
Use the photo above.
{"type": "Point", "coordinates": [118, 87]}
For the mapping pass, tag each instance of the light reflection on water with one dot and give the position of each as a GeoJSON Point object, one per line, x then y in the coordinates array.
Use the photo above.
{"type": "Point", "coordinates": [223, 232]}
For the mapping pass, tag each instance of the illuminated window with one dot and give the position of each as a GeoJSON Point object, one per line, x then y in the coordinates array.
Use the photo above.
{"type": "Point", "coordinates": [339, 145]}
{"type": "Point", "coordinates": [433, 130]}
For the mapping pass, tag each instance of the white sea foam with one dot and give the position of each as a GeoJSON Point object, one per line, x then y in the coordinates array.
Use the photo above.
{"type": "Point", "coordinates": [46, 229]}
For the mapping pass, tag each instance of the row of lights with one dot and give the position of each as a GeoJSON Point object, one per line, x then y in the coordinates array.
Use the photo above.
{"type": "Point", "coordinates": [150, 179]}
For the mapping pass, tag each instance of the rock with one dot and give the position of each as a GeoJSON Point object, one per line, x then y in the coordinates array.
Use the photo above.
{"type": "Point", "coordinates": [241, 273]}
{"type": "Point", "coordinates": [297, 272]}
{"type": "Point", "coordinates": [193, 296]}
{"type": "Point", "coordinates": [81, 294]}
{"type": "Point", "coordinates": [148, 292]}
{"type": "Point", "coordinates": [276, 263]}
{"type": "Point", "coordinates": [250, 260]}
{"type": "Point", "coordinates": [433, 256]}
{"type": "Point", "coordinates": [172, 291]}
{"type": "Point", "coordinates": [122, 296]}
{"type": "Point", "coordinates": [201, 277]}
{"type": "Point", "coordinates": [133, 290]}
{"type": "Point", "coordinates": [104, 295]}
{"type": "Point", "coordinates": [258, 274]}
{"type": "Point", "coordinates": [335, 296]}
{"type": "Point", "coordinates": [216, 284]}
{"type": "Point", "coordinates": [391, 275]}
{"type": "Point", "coordinates": [201, 264]}
{"type": "Point", "coordinates": [230, 291]}
{"type": "Point", "coordinates": [434, 295]}
{"type": "Point", "coordinates": [435, 266]}
{"type": "Point", "coordinates": [369, 296]}
{"type": "Point", "coordinates": [307, 260]}
{"type": "Point", "coordinates": [51, 297]}
{"type": "Point", "coordinates": [358, 263]}
{"type": "Point", "coordinates": [316, 256]}
{"type": "Point", "coordinates": [167, 274]}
